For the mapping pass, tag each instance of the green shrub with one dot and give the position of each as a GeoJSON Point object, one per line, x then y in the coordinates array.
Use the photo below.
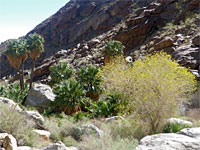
{"type": "Point", "coordinates": [154, 86]}
{"type": "Point", "coordinates": [113, 48]}
{"type": "Point", "coordinates": [14, 92]}
{"type": "Point", "coordinates": [60, 72]}
{"type": "Point", "coordinates": [174, 127]}
{"type": "Point", "coordinates": [68, 96]}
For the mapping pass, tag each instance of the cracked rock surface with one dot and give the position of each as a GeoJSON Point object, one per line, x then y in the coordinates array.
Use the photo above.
{"type": "Point", "coordinates": [186, 139]}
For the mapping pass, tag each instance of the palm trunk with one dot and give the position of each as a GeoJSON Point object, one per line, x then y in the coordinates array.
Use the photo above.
{"type": "Point", "coordinates": [22, 76]}
{"type": "Point", "coordinates": [32, 74]}
{"type": "Point", "coordinates": [20, 79]}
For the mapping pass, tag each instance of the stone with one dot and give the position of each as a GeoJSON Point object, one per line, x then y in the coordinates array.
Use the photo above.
{"type": "Point", "coordinates": [165, 43]}
{"type": "Point", "coordinates": [34, 115]}
{"type": "Point", "coordinates": [43, 133]}
{"type": "Point", "coordinates": [26, 148]}
{"type": "Point", "coordinates": [179, 121]}
{"type": "Point", "coordinates": [196, 40]}
{"type": "Point", "coordinates": [40, 96]}
{"type": "Point", "coordinates": [11, 103]}
{"type": "Point", "coordinates": [129, 59]}
{"type": "Point", "coordinates": [86, 129]}
{"type": "Point", "coordinates": [187, 56]}
{"type": "Point", "coordinates": [114, 118]}
{"type": "Point", "coordinates": [186, 139]}
{"type": "Point", "coordinates": [58, 146]}
{"type": "Point", "coordinates": [9, 142]}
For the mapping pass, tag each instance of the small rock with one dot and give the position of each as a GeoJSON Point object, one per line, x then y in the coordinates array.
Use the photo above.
{"type": "Point", "coordinates": [179, 121]}
{"type": "Point", "coordinates": [35, 116]}
{"type": "Point", "coordinates": [9, 142]}
{"type": "Point", "coordinates": [196, 40]}
{"type": "Point", "coordinates": [43, 133]}
{"type": "Point", "coordinates": [129, 59]}
{"type": "Point", "coordinates": [26, 148]}
{"type": "Point", "coordinates": [86, 129]}
{"type": "Point", "coordinates": [165, 43]}
{"type": "Point", "coordinates": [11, 103]}
{"type": "Point", "coordinates": [58, 146]}
{"type": "Point", "coordinates": [114, 118]}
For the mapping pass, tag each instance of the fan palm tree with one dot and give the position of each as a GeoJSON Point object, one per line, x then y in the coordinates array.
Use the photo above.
{"type": "Point", "coordinates": [113, 48]}
{"type": "Point", "coordinates": [35, 44]}
{"type": "Point", "coordinates": [17, 55]}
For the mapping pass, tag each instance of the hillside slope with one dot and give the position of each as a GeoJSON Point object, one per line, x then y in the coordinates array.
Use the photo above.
{"type": "Point", "coordinates": [78, 21]}
{"type": "Point", "coordinates": [161, 25]}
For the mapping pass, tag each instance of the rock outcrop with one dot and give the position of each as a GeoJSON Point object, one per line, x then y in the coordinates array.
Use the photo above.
{"type": "Point", "coordinates": [40, 96]}
{"type": "Point", "coordinates": [186, 139]}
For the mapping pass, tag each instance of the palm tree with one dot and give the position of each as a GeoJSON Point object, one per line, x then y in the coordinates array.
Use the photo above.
{"type": "Point", "coordinates": [35, 44]}
{"type": "Point", "coordinates": [17, 55]}
{"type": "Point", "coordinates": [113, 48]}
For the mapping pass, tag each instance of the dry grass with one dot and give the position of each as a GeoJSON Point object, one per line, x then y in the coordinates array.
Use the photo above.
{"type": "Point", "coordinates": [15, 123]}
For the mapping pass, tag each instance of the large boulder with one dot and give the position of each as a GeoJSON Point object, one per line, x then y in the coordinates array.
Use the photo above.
{"type": "Point", "coordinates": [40, 96]}
{"type": "Point", "coordinates": [186, 139]}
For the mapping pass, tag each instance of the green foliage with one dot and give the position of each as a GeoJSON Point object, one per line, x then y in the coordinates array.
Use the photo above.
{"type": "Point", "coordinates": [154, 86]}
{"type": "Point", "coordinates": [88, 78]}
{"type": "Point", "coordinates": [35, 42]}
{"type": "Point", "coordinates": [17, 47]}
{"type": "Point", "coordinates": [13, 92]}
{"type": "Point", "coordinates": [113, 48]}
{"type": "Point", "coordinates": [60, 72]}
{"type": "Point", "coordinates": [110, 106]}
{"type": "Point", "coordinates": [68, 94]}
{"type": "Point", "coordinates": [174, 127]}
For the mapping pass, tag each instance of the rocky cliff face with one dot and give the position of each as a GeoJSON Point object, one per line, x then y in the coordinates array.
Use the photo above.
{"type": "Point", "coordinates": [143, 26]}
{"type": "Point", "coordinates": [79, 21]}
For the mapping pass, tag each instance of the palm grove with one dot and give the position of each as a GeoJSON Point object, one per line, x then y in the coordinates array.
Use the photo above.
{"type": "Point", "coordinates": [18, 51]}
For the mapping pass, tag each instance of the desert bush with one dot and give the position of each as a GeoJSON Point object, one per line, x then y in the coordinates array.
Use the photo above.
{"type": "Point", "coordinates": [13, 91]}
{"type": "Point", "coordinates": [107, 142]}
{"type": "Point", "coordinates": [15, 123]}
{"type": "Point", "coordinates": [60, 72]}
{"type": "Point", "coordinates": [61, 130]}
{"type": "Point", "coordinates": [155, 86]}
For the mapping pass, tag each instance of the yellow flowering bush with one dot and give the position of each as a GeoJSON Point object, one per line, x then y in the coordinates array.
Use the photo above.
{"type": "Point", "coordinates": [154, 86]}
